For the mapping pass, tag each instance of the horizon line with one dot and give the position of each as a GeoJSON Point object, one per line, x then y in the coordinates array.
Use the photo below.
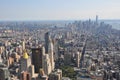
{"type": "Point", "coordinates": [59, 20]}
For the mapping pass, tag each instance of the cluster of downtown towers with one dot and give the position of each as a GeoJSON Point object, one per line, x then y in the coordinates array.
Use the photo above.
{"type": "Point", "coordinates": [42, 59]}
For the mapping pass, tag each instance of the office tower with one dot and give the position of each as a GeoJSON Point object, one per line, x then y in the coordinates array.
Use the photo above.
{"type": "Point", "coordinates": [78, 59]}
{"type": "Point", "coordinates": [55, 49]}
{"type": "Point", "coordinates": [23, 45]}
{"type": "Point", "coordinates": [56, 75]}
{"type": "Point", "coordinates": [67, 58]}
{"type": "Point", "coordinates": [46, 64]}
{"type": "Point", "coordinates": [25, 76]}
{"type": "Point", "coordinates": [32, 71]}
{"type": "Point", "coordinates": [4, 72]}
{"type": "Point", "coordinates": [49, 49]}
{"type": "Point", "coordinates": [37, 54]}
{"type": "Point", "coordinates": [47, 38]}
{"type": "Point", "coordinates": [25, 62]}
{"type": "Point", "coordinates": [96, 19]}
{"type": "Point", "coordinates": [51, 56]}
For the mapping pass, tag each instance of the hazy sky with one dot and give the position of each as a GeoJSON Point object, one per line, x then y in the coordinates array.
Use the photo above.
{"type": "Point", "coordinates": [58, 9]}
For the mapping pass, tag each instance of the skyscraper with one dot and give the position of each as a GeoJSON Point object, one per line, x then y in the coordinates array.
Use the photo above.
{"type": "Point", "coordinates": [47, 39]}
{"type": "Point", "coordinates": [51, 56]}
{"type": "Point", "coordinates": [25, 62]}
{"type": "Point", "coordinates": [96, 19]}
{"type": "Point", "coordinates": [37, 54]}
{"type": "Point", "coordinates": [46, 64]}
{"type": "Point", "coordinates": [78, 59]}
{"type": "Point", "coordinates": [49, 49]}
{"type": "Point", "coordinates": [23, 45]}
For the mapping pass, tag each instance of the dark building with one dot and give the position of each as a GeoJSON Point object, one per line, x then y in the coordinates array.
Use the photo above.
{"type": "Point", "coordinates": [37, 58]}
{"type": "Point", "coordinates": [96, 19]}
{"type": "Point", "coordinates": [47, 39]}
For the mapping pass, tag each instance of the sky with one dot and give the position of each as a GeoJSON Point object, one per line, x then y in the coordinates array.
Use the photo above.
{"type": "Point", "coordinates": [59, 9]}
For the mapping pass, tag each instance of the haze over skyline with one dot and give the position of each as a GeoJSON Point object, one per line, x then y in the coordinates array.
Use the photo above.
{"type": "Point", "coordinates": [58, 9]}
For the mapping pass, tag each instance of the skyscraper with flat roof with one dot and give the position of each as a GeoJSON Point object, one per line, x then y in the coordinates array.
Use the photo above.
{"type": "Point", "coordinates": [37, 54]}
{"type": "Point", "coordinates": [47, 39]}
{"type": "Point", "coordinates": [51, 55]}
{"type": "Point", "coordinates": [49, 49]}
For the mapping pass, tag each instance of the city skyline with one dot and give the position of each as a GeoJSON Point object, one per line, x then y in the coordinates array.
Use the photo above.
{"type": "Point", "coordinates": [58, 10]}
